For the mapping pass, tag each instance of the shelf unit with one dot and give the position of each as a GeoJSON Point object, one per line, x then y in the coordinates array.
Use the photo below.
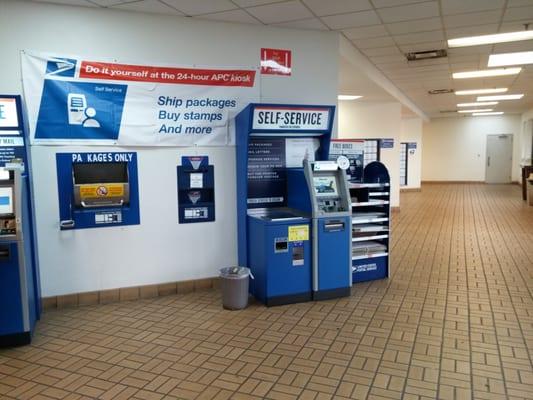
{"type": "Point", "coordinates": [371, 224]}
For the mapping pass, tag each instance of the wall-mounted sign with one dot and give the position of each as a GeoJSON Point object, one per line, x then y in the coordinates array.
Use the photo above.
{"type": "Point", "coordinates": [387, 143]}
{"type": "Point", "coordinates": [276, 62]}
{"type": "Point", "coordinates": [411, 145]}
{"type": "Point", "coordinates": [354, 151]}
{"type": "Point", "coordinates": [282, 118]}
{"type": "Point", "coordinates": [95, 102]}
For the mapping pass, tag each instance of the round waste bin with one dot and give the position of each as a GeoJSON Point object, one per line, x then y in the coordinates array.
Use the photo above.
{"type": "Point", "coordinates": [234, 284]}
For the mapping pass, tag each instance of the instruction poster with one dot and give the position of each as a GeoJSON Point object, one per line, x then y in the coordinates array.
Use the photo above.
{"type": "Point", "coordinates": [102, 102]}
{"type": "Point", "coordinates": [354, 150]}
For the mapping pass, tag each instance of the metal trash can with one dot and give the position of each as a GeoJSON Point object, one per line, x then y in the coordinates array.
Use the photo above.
{"type": "Point", "coordinates": [234, 283]}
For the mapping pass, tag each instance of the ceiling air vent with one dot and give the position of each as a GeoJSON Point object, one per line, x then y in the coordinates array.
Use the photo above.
{"type": "Point", "coordinates": [426, 55]}
{"type": "Point", "coordinates": [440, 91]}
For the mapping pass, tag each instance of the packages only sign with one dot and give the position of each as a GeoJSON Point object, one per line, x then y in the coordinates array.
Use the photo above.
{"type": "Point", "coordinates": [72, 100]}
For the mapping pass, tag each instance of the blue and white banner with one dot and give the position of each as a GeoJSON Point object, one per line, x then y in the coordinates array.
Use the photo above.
{"type": "Point", "coordinates": [75, 100]}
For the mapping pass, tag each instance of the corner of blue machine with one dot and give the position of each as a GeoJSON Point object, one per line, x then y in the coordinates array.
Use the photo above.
{"type": "Point", "coordinates": [19, 275]}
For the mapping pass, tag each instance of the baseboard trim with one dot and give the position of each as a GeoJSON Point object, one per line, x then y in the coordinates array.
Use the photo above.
{"type": "Point", "coordinates": [411, 190]}
{"type": "Point", "coordinates": [127, 293]}
{"type": "Point", "coordinates": [451, 182]}
{"type": "Point", "coordinates": [395, 209]}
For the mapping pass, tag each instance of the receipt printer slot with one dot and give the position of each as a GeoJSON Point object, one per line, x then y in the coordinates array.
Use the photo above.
{"type": "Point", "coordinates": [333, 226]}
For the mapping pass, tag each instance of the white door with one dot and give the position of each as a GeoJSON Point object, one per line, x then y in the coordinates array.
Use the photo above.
{"type": "Point", "coordinates": [499, 158]}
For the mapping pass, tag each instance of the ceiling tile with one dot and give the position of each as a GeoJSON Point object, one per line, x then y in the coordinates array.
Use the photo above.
{"type": "Point", "coordinates": [465, 6]}
{"type": "Point", "coordinates": [518, 3]}
{"type": "Point", "coordinates": [82, 3]}
{"type": "Point", "coordinates": [351, 20]}
{"type": "Point", "coordinates": [253, 3]}
{"type": "Point", "coordinates": [407, 48]}
{"type": "Point", "coordinates": [475, 30]}
{"type": "Point", "coordinates": [518, 13]}
{"type": "Point", "coordinates": [526, 45]}
{"type": "Point", "coordinates": [103, 3]}
{"type": "Point", "coordinates": [486, 49]}
{"type": "Point", "coordinates": [421, 37]}
{"type": "Point", "coordinates": [330, 7]}
{"type": "Point", "coordinates": [390, 58]}
{"type": "Point", "coordinates": [409, 12]}
{"type": "Point", "coordinates": [365, 32]}
{"type": "Point", "coordinates": [310, 23]}
{"type": "Point", "coordinates": [482, 18]}
{"type": "Point", "coordinates": [238, 16]}
{"type": "Point", "coordinates": [385, 41]}
{"type": "Point", "coordinates": [148, 6]}
{"type": "Point", "coordinates": [193, 7]}
{"type": "Point", "coordinates": [393, 3]}
{"type": "Point", "coordinates": [280, 12]}
{"type": "Point", "coordinates": [381, 51]}
{"type": "Point", "coordinates": [421, 25]}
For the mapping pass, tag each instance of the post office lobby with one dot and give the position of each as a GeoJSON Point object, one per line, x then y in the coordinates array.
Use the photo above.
{"type": "Point", "coordinates": [144, 147]}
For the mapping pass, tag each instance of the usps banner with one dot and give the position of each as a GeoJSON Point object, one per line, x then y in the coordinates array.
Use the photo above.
{"type": "Point", "coordinates": [75, 100]}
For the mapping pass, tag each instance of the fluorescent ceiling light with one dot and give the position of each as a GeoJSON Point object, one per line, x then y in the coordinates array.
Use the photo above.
{"type": "Point", "coordinates": [487, 73]}
{"type": "Point", "coordinates": [484, 103]}
{"type": "Point", "coordinates": [480, 91]}
{"type": "Point", "coordinates": [487, 113]}
{"type": "Point", "coordinates": [489, 39]}
{"type": "Point", "coordinates": [500, 97]}
{"type": "Point", "coordinates": [348, 97]}
{"type": "Point", "coordinates": [519, 58]}
{"type": "Point", "coordinates": [476, 111]}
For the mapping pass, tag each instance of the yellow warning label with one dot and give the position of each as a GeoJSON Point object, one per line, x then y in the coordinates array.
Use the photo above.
{"type": "Point", "coordinates": [298, 233]}
{"type": "Point", "coordinates": [107, 190]}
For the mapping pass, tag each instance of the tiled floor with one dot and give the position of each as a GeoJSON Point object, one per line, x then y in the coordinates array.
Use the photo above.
{"type": "Point", "coordinates": [454, 321]}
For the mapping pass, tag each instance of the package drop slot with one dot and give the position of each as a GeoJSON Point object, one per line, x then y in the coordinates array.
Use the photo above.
{"type": "Point", "coordinates": [101, 184]}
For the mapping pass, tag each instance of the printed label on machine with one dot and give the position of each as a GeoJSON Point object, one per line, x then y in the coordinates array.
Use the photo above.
{"type": "Point", "coordinates": [108, 190]}
{"type": "Point", "coordinates": [366, 267]}
{"type": "Point", "coordinates": [298, 233]}
{"type": "Point", "coordinates": [108, 217]}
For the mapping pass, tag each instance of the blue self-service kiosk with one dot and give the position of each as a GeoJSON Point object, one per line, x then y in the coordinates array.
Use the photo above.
{"type": "Point", "coordinates": [328, 199]}
{"type": "Point", "coordinates": [275, 229]}
{"type": "Point", "coordinates": [19, 277]}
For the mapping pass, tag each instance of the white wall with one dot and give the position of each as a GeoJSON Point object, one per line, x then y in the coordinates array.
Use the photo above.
{"type": "Point", "coordinates": [455, 148]}
{"type": "Point", "coordinates": [526, 138]}
{"type": "Point", "coordinates": [411, 132]}
{"type": "Point", "coordinates": [375, 120]}
{"type": "Point", "coordinates": [159, 250]}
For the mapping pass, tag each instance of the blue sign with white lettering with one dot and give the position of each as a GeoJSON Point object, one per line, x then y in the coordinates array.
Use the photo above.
{"type": "Point", "coordinates": [387, 143]}
{"type": "Point", "coordinates": [80, 110]}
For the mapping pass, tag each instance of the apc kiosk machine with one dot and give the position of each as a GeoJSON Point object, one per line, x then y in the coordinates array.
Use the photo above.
{"type": "Point", "coordinates": [276, 239]}
{"type": "Point", "coordinates": [329, 200]}
{"type": "Point", "coordinates": [19, 277]}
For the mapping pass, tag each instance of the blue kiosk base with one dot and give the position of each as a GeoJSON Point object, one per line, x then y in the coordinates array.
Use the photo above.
{"type": "Point", "coordinates": [16, 339]}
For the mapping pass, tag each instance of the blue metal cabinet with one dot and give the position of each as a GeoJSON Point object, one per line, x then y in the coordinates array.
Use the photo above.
{"type": "Point", "coordinates": [281, 268]}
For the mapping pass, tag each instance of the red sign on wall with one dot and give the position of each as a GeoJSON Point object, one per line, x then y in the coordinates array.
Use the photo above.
{"type": "Point", "coordinates": [276, 62]}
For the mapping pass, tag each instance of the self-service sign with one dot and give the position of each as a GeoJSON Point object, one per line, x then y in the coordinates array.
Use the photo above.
{"type": "Point", "coordinates": [282, 118]}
